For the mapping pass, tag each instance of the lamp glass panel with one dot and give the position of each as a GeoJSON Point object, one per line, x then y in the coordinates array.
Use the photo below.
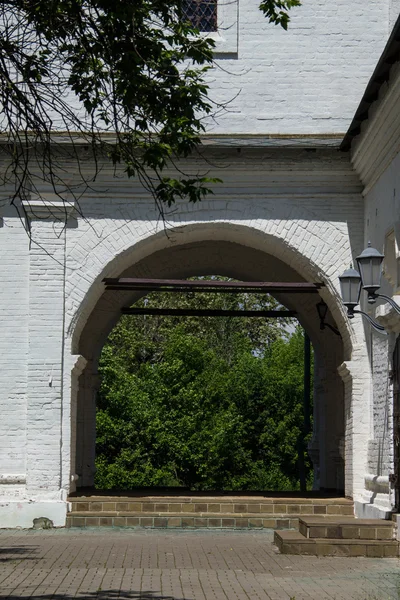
{"type": "Point", "coordinates": [350, 288]}
{"type": "Point", "coordinates": [371, 271]}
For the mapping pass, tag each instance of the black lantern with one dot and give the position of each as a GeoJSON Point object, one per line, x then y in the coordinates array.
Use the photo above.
{"type": "Point", "coordinates": [350, 286]}
{"type": "Point", "coordinates": [369, 277]}
{"type": "Point", "coordinates": [370, 266]}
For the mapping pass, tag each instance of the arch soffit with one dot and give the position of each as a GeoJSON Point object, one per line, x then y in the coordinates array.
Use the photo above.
{"type": "Point", "coordinates": [223, 258]}
{"type": "Point", "coordinates": [295, 249]}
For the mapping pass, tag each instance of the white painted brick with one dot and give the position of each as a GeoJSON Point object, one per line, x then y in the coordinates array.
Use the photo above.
{"type": "Point", "coordinates": [281, 213]}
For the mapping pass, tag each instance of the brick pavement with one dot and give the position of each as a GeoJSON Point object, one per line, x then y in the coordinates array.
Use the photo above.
{"type": "Point", "coordinates": [180, 565]}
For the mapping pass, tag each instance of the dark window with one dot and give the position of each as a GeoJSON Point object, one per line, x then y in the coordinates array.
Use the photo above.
{"type": "Point", "coordinates": [201, 13]}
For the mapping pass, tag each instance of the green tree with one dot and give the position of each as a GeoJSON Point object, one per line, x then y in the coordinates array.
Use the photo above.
{"type": "Point", "coordinates": [207, 403]}
{"type": "Point", "coordinates": [137, 69]}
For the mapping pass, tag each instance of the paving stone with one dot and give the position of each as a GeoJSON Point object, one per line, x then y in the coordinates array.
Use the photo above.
{"type": "Point", "coordinates": [173, 565]}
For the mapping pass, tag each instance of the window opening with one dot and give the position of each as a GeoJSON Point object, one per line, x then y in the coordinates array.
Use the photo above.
{"type": "Point", "coordinates": [201, 13]}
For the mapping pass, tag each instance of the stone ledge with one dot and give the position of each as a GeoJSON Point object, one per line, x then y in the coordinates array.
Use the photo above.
{"type": "Point", "coordinates": [346, 529]}
{"type": "Point", "coordinates": [181, 521]}
{"type": "Point", "coordinates": [292, 542]}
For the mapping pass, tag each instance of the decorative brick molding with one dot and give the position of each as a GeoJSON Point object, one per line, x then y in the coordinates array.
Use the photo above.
{"type": "Point", "coordinates": [49, 206]}
{"type": "Point", "coordinates": [388, 317]}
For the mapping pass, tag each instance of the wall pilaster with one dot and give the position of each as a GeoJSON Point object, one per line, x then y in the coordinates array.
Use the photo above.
{"type": "Point", "coordinates": [45, 357]}
{"type": "Point", "coordinates": [356, 377]}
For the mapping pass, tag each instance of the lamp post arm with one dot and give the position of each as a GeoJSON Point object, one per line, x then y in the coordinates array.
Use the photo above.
{"type": "Point", "coordinates": [390, 301]}
{"type": "Point", "coordinates": [374, 324]}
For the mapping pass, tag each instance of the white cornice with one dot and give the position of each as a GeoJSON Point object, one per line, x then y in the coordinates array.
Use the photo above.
{"type": "Point", "coordinates": [47, 207]}
{"type": "Point", "coordinates": [379, 141]}
{"type": "Point", "coordinates": [256, 140]}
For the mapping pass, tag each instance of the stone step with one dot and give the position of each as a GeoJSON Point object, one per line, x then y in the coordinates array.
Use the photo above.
{"type": "Point", "coordinates": [213, 504]}
{"type": "Point", "coordinates": [181, 520]}
{"type": "Point", "coordinates": [293, 542]}
{"type": "Point", "coordinates": [346, 528]}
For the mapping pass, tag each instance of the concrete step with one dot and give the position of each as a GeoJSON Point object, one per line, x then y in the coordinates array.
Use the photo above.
{"type": "Point", "coordinates": [194, 505]}
{"type": "Point", "coordinates": [293, 542]}
{"type": "Point", "coordinates": [180, 520]}
{"type": "Point", "coordinates": [346, 528]}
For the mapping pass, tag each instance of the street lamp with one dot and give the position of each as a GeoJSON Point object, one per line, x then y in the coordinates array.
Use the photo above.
{"type": "Point", "coordinates": [350, 287]}
{"type": "Point", "coordinates": [370, 267]}
{"type": "Point", "coordinates": [369, 279]}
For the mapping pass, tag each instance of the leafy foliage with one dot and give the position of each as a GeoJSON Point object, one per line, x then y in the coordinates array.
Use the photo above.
{"type": "Point", "coordinates": [276, 10]}
{"type": "Point", "coordinates": [205, 403]}
{"type": "Point", "coordinates": [124, 78]}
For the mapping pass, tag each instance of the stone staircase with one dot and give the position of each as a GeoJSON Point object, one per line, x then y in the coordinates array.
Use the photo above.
{"type": "Point", "coordinates": [340, 536]}
{"type": "Point", "coordinates": [200, 511]}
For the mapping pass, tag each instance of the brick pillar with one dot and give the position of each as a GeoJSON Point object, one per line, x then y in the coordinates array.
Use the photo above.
{"type": "Point", "coordinates": [314, 443]}
{"type": "Point", "coordinates": [332, 428]}
{"type": "Point", "coordinates": [73, 373]}
{"type": "Point", "coordinates": [357, 382]}
{"type": "Point", "coordinates": [86, 426]}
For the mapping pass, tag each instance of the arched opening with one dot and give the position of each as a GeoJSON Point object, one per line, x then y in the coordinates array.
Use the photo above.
{"type": "Point", "coordinates": [231, 252]}
{"type": "Point", "coordinates": [204, 390]}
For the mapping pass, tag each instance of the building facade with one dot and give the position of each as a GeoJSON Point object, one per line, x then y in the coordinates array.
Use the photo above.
{"type": "Point", "coordinates": [300, 198]}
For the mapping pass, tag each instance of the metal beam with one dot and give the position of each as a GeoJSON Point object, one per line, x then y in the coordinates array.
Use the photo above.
{"type": "Point", "coordinates": [188, 312]}
{"type": "Point", "coordinates": [210, 286]}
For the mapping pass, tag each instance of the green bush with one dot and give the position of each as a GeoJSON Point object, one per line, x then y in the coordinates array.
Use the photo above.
{"type": "Point", "coordinates": [210, 403]}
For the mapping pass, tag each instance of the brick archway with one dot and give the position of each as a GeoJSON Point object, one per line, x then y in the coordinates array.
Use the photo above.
{"type": "Point", "coordinates": [241, 252]}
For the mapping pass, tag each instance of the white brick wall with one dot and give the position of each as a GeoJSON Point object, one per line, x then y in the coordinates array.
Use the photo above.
{"type": "Point", "coordinates": [280, 214]}
{"type": "Point", "coordinates": [375, 155]}
{"type": "Point", "coordinates": [302, 207]}
{"type": "Point", "coordinates": [14, 295]}
{"type": "Point", "coordinates": [307, 80]}
{"type": "Point", "coordinates": [394, 11]}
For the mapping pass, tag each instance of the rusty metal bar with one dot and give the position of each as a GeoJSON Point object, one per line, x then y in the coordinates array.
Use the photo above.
{"type": "Point", "coordinates": [210, 285]}
{"type": "Point", "coordinates": [188, 312]}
